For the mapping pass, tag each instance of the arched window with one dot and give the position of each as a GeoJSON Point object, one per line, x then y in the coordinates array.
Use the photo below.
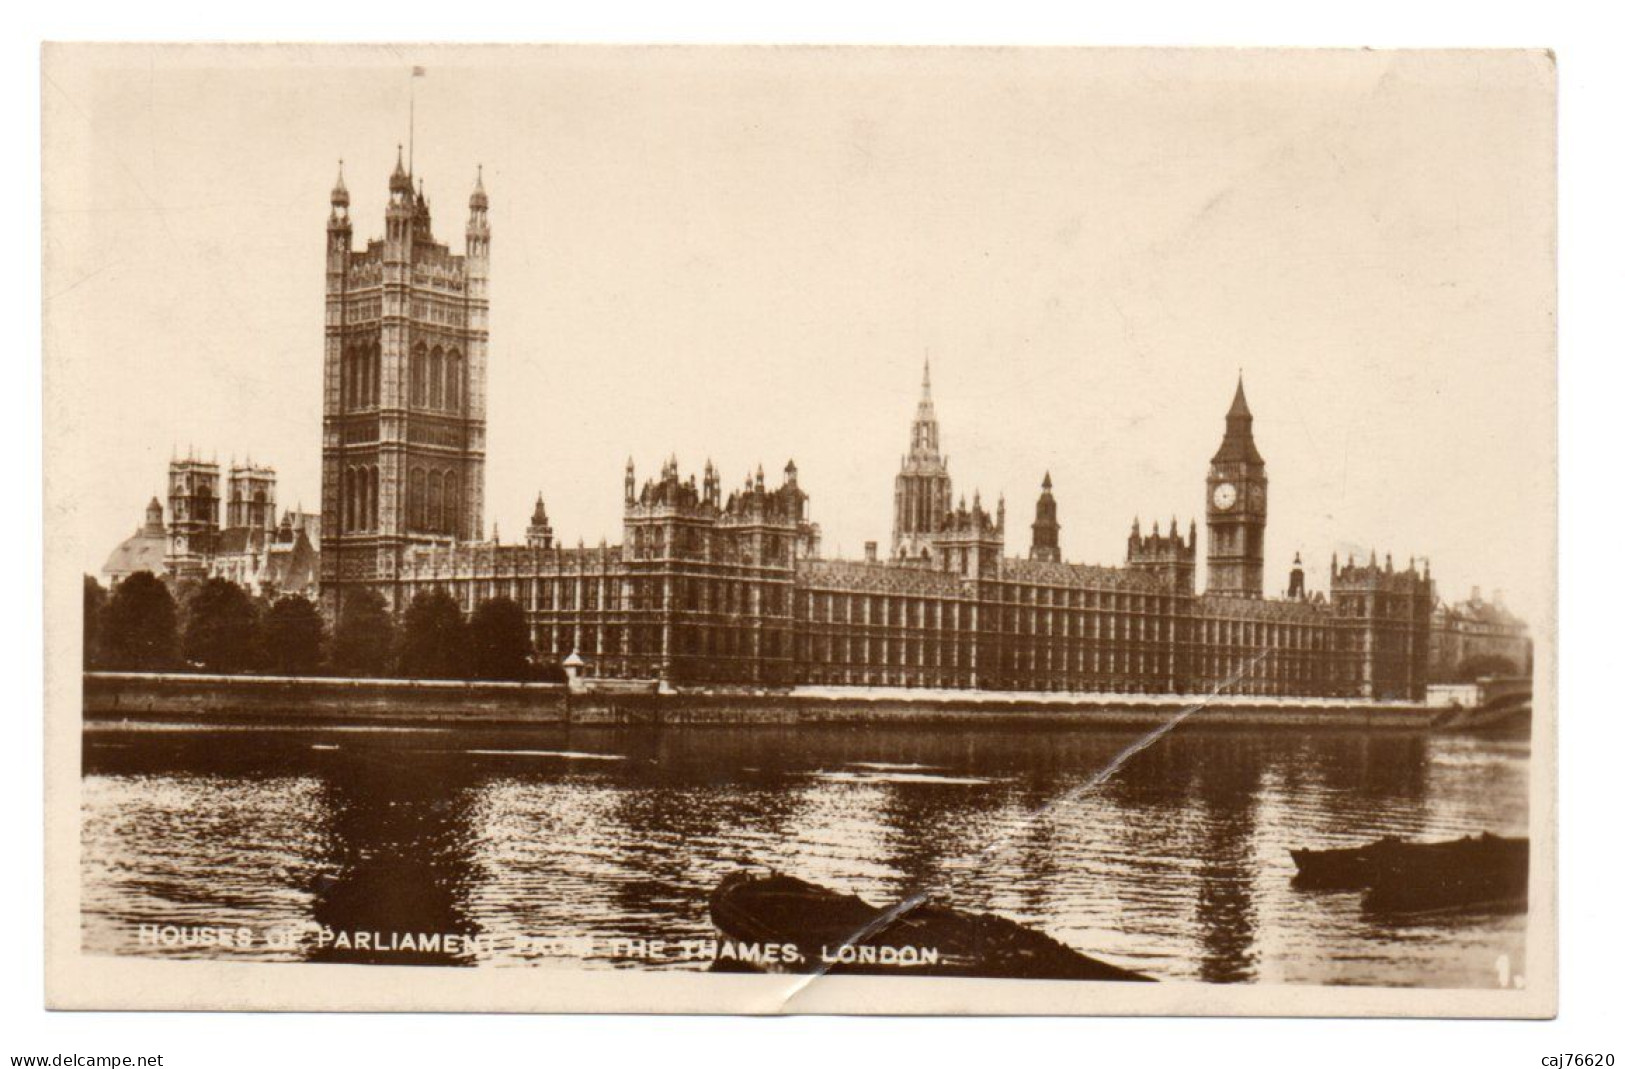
{"type": "Point", "coordinates": [376, 374]}
{"type": "Point", "coordinates": [437, 378]}
{"type": "Point", "coordinates": [454, 380]}
{"type": "Point", "coordinates": [346, 379]}
{"type": "Point", "coordinates": [414, 499]}
{"type": "Point", "coordinates": [450, 513]}
{"type": "Point", "coordinates": [420, 372]}
{"type": "Point", "coordinates": [437, 484]}
{"type": "Point", "coordinates": [372, 497]}
{"type": "Point", "coordinates": [349, 499]}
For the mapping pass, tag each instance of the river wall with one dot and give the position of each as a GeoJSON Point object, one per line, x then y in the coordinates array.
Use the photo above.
{"type": "Point", "coordinates": [112, 696]}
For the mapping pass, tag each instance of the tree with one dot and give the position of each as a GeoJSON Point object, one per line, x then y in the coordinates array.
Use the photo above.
{"type": "Point", "coordinates": [138, 631]}
{"type": "Point", "coordinates": [1485, 664]}
{"type": "Point", "coordinates": [434, 639]}
{"type": "Point", "coordinates": [364, 636]}
{"type": "Point", "coordinates": [499, 640]}
{"type": "Point", "coordinates": [222, 628]}
{"type": "Point", "coordinates": [293, 636]}
{"type": "Point", "coordinates": [550, 671]}
{"type": "Point", "coordinates": [95, 606]}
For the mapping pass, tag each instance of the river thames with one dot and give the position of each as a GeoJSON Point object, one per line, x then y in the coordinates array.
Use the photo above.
{"type": "Point", "coordinates": [566, 847]}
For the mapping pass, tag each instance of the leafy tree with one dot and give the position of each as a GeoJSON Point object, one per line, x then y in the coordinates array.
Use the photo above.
{"type": "Point", "coordinates": [138, 630]}
{"type": "Point", "coordinates": [95, 606]}
{"type": "Point", "coordinates": [222, 628]}
{"type": "Point", "coordinates": [434, 639]}
{"type": "Point", "coordinates": [499, 640]}
{"type": "Point", "coordinates": [550, 671]}
{"type": "Point", "coordinates": [364, 635]}
{"type": "Point", "coordinates": [1485, 664]}
{"type": "Point", "coordinates": [293, 636]}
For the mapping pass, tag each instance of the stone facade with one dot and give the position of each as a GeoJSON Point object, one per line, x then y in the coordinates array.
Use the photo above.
{"type": "Point", "coordinates": [254, 548]}
{"type": "Point", "coordinates": [403, 416]}
{"type": "Point", "coordinates": [1473, 630]}
{"type": "Point", "coordinates": [713, 591]}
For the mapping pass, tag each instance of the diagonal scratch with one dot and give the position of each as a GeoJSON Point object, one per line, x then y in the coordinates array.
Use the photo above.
{"type": "Point", "coordinates": [890, 915]}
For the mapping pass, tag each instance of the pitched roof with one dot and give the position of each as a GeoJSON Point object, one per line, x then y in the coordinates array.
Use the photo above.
{"type": "Point", "coordinates": [1238, 432]}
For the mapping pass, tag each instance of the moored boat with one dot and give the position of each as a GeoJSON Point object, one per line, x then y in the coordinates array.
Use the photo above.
{"type": "Point", "coordinates": [1410, 876]}
{"type": "Point", "coordinates": [1346, 868]}
{"type": "Point", "coordinates": [782, 924]}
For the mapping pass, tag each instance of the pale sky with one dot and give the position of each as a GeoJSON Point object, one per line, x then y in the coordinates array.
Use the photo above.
{"type": "Point", "coordinates": [747, 255]}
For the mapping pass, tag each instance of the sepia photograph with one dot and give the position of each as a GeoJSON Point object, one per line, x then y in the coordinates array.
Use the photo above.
{"type": "Point", "coordinates": [791, 529]}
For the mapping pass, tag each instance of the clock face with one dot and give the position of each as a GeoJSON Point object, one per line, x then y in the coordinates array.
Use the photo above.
{"type": "Point", "coordinates": [1257, 497]}
{"type": "Point", "coordinates": [1224, 497]}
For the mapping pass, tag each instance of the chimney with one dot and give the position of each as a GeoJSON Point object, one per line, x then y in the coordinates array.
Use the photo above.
{"type": "Point", "coordinates": [871, 552]}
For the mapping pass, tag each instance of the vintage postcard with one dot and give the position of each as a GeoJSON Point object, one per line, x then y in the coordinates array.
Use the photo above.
{"type": "Point", "coordinates": [868, 530]}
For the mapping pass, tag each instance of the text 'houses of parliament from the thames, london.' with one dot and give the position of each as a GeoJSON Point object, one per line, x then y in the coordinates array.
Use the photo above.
{"type": "Point", "coordinates": [712, 587]}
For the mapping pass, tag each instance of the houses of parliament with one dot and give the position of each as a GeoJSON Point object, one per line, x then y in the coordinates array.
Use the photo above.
{"type": "Point", "coordinates": [717, 587]}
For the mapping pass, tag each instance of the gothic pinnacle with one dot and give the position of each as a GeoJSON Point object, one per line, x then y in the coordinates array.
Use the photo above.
{"type": "Point", "coordinates": [341, 195]}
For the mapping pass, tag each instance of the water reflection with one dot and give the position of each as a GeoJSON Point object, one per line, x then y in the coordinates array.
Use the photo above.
{"type": "Point", "coordinates": [398, 858]}
{"type": "Point", "coordinates": [1177, 866]}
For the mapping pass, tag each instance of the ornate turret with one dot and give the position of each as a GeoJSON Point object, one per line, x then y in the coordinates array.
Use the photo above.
{"type": "Point", "coordinates": [422, 228]}
{"type": "Point", "coordinates": [478, 233]}
{"type": "Point", "coordinates": [539, 535]}
{"type": "Point", "coordinates": [971, 542]}
{"type": "Point", "coordinates": [338, 227]}
{"type": "Point", "coordinates": [1295, 587]}
{"type": "Point", "coordinates": [1167, 556]}
{"type": "Point", "coordinates": [1046, 527]}
{"type": "Point", "coordinates": [711, 488]}
{"type": "Point", "coordinates": [400, 183]}
{"type": "Point", "coordinates": [340, 197]}
{"type": "Point", "coordinates": [923, 491]}
{"type": "Point", "coordinates": [398, 215]}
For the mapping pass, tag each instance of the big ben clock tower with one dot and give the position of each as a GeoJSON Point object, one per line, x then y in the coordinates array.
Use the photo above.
{"type": "Point", "coordinates": [1237, 499]}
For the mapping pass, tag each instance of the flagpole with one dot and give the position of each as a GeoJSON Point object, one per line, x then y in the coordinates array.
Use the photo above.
{"type": "Point", "coordinates": [411, 119]}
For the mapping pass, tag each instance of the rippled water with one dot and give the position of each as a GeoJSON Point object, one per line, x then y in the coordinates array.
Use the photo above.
{"type": "Point", "coordinates": [1177, 866]}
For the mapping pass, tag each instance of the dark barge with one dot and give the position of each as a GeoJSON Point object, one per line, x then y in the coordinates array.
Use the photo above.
{"type": "Point", "coordinates": [843, 935]}
{"type": "Point", "coordinates": [1403, 876]}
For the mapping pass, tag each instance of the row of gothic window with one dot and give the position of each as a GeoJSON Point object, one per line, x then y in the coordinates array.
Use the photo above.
{"type": "Point", "coordinates": [431, 501]}
{"type": "Point", "coordinates": [359, 490]}
{"type": "Point", "coordinates": [360, 376]}
{"type": "Point", "coordinates": [435, 376]}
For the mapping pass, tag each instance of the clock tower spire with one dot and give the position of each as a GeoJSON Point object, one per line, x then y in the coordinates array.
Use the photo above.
{"type": "Point", "coordinates": [1237, 500]}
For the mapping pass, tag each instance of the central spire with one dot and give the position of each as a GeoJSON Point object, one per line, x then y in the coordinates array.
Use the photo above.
{"type": "Point", "coordinates": [923, 440]}
{"type": "Point", "coordinates": [924, 496]}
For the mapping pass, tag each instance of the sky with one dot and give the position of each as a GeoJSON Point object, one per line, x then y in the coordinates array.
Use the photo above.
{"type": "Point", "coordinates": [748, 255]}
